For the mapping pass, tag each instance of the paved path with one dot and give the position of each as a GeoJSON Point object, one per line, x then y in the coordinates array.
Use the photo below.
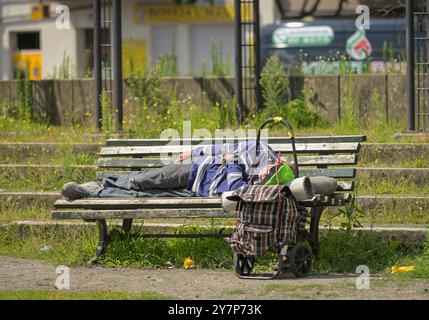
{"type": "Point", "coordinates": [22, 274]}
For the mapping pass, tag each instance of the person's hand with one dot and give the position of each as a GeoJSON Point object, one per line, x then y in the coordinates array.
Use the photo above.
{"type": "Point", "coordinates": [264, 171]}
{"type": "Point", "coordinates": [184, 155]}
{"type": "Point", "coordinates": [227, 157]}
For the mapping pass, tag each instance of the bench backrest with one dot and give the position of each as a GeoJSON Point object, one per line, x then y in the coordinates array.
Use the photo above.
{"type": "Point", "coordinates": [333, 156]}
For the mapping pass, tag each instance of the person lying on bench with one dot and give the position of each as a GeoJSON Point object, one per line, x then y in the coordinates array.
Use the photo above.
{"type": "Point", "coordinates": [206, 171]}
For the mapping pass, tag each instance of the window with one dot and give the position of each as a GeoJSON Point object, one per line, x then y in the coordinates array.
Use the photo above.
{"type": "Point", "coordinates": [28, 41]}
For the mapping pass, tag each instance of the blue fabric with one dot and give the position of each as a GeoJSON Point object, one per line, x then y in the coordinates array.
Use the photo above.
{"type": "Point", "coordinates": [210, 177]}
{"type": "Point", "coordinates": [245, 152]}
{"type": "Point", "coordinates": [210, 180]}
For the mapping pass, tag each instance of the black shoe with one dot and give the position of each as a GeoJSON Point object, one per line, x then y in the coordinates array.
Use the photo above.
{"type": "Point", "coordinates": [73, 191]}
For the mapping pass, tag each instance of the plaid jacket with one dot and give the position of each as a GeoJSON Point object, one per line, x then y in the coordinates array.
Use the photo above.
{"type": "Point", "coordinates": [267, 219]}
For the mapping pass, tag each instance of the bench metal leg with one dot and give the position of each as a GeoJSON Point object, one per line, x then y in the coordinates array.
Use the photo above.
{"type": "Point", "coordinates": [126, 225]}
{"type": "Point", "coordinates": [316, 212]}
{"type": "Point", "coordinates": [103, 241]}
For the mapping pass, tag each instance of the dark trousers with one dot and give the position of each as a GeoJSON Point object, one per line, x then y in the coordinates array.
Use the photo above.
{"type": "Point", "coordinates": [172, 176]}
{"type": "Point", "coordinates": [170, 180]}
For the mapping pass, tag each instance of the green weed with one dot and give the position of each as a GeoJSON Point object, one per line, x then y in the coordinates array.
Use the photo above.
{"type": "Point", "coordinates": [221, 66]}
{"type": "Point", "coordinates": [107, 120]}
{"type": "Point", "coordinates": [343, 252]}
{"type": "Point", "coordinates": [420, 261]}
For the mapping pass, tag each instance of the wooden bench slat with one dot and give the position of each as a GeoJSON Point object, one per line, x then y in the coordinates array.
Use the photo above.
{"type": "Point", "coordinates": [338, 173]}
{"type": "Point", "coordinates": [308, 139]}
{"type": "Point", "coordinates": [141, 214]}
{"type": "Point", "coordinates": [271, 140]}
{"type": "Point", "coordinates": [283, 148]}
{"type": "Point", "coordinates": [89, 209]}
{"type": "Point", "coordinates": [139, 203]}
{"type": "Point", "coordinates": [348, 159]}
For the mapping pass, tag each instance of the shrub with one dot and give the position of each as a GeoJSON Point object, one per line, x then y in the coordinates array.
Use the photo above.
{"type": "Point", "coordinates": [295, 111]}
{"type": "Point", "coordinates": [275, 89]}
{"type": "Point", "coordinates": [274, 83]}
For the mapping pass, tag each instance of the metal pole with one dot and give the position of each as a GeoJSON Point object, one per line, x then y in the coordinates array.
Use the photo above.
{"type": "Point", "coordinates": [257, 54]}
{"type": "Point", "coordinates": [117, 42]}
{"type": "Point", "coordinates": [409, 17]}
{"type": "Point", "coordinates": [238, 62]}
{"type": "Point", "coordinates": [97, 62]}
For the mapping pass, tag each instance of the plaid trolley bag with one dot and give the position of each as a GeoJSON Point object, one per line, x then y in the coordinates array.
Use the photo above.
{"type": "Point", "coordinates": [269, 219]}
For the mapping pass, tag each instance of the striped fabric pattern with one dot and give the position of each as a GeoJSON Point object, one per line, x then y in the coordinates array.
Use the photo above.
{"type": "Point", "coordinates": [210, 179]}
{"type": "Point", "coordinates": [245, 153]}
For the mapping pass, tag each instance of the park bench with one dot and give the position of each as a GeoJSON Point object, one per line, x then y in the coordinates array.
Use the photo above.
{"type": "Point", "coordinates": [333, 156]}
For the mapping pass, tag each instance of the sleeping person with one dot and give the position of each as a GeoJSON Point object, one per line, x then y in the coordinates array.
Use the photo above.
{"type": "Point", "coordinates": [205, 171]}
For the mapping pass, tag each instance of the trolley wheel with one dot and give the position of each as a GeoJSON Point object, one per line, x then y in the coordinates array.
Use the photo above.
{"type": "Point", "coordinates": [243, 265]}
{"type": "Point", "coordinates": [300, 260]}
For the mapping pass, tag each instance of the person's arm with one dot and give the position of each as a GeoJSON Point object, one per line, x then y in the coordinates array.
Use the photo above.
{"type": "Point", "coordinates": [194, 153]}
{"type": "Point", "coordinates": [236, 176]}
{"type": "Point", "coordinates": [208, 150]}
{"type": "Point", "coordinates": [213, 149]}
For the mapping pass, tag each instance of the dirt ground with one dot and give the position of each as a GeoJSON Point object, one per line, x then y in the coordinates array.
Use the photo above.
{"type": "Point", "coordinates": [22, 274]}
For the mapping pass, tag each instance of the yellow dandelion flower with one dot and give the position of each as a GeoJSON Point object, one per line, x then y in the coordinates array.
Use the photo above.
{"type": "Point", "coordinates": [189, 263]}
{"type": "Point", "coordinates": [396, 269]}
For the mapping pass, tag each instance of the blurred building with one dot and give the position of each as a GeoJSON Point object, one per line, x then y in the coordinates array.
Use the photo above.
{"type": "Point", "coordinates": [29, 36]}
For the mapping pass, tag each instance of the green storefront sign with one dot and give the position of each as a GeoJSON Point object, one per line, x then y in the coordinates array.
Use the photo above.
{"type": "Point", "coordinates": [303, 36]}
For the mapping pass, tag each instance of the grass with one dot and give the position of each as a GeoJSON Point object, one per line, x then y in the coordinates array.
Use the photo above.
{"type": "Point", "coordinates": [417, 163]}
{"type": "Point", "coordinates": [384, 217]}
{"type": "Point", "coordinates": [47, 179]}
{"type": "Point", "coordinates": [13, 130]}
{"type": "Point", "coordinates": [421, 262]}
{"type": "Point", "coordinates": [72, 247]}
{"type": "Point", "coordinates": [67, 295]}
{"type": "Point", "coordinates": [75, 246]}
{"type": "Point", "coordinates": [238, 291]}
{"type": "Point", "coordinates": [19, 131]}
{"type": "Point", "coordinates": [304, 291]}
{"type": "Point", "coordinates": [401, 186]}
{"type": "Point", "coordinates": [343, 252]}
{"type": "Point", "coordinates": [14, 212]}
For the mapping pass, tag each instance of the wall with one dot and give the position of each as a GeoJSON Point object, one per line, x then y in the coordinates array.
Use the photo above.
{"type": "Point", "coordinates": [72, 101]}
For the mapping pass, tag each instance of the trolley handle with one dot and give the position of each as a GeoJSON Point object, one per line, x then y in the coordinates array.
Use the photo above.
{"type": "Point", "coordinates": [291, 136]}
